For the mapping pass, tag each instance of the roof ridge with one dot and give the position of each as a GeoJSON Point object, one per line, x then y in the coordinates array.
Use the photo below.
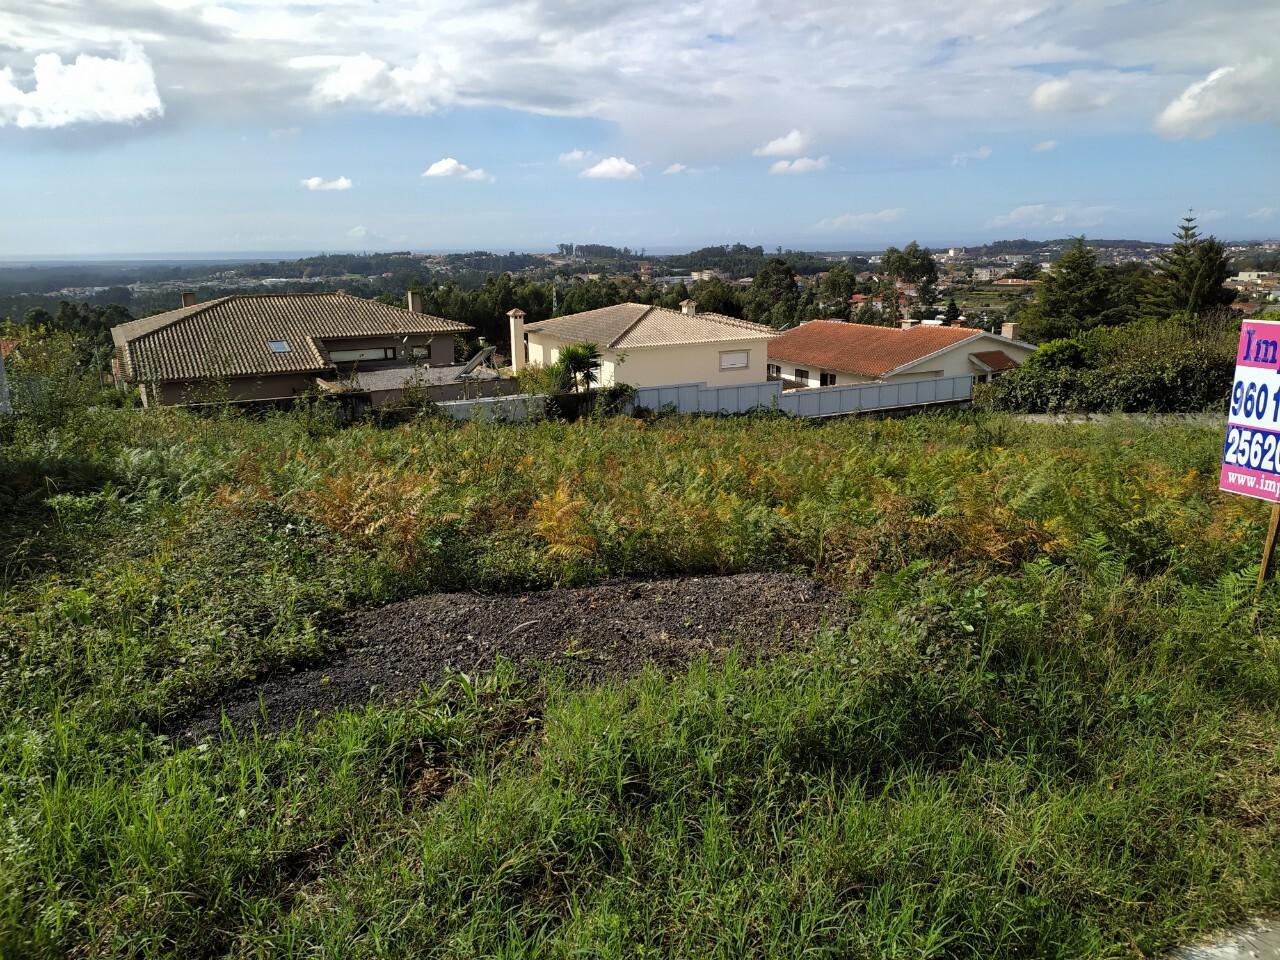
{"type": "Point", "coordinates": [633, 324]}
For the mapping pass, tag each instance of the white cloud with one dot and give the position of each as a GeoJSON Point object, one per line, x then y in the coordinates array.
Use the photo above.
{"type": "Point", "coordinates": [947, 66]}
{"type": "Point", "coordinates": [612, 168]}
{"type": "Point", "coordinates": [799, 165]}
{"type": "Point", "coordinates": [860, 221]}
{"type": "Point", "coordinates": [1073, 215]}
{"type": "Point", "coordinates": [1071, 94]}
{"type": "Point", "coordinates": [1244, 92]}
{"type": "Point", "coordinates": [960, 159]}
{"type": "Point", "coordinates": [788, 145]}
{"type": "Point", "coordinates": [1044, 146]}
{"type": "Point", "coordinates": [87, 90]}
{"type": "Point", "coordinates": [366, 234]}
{"type": "Point", "coordinates": [366, 81]}
{"type": "Point", "coordinates": [449, 167]}
{"type": "Point", "coordinates": [1262, 213]}
{"type": "Point", "coordinates": [573, 158]}
{"type": "Point", "coordinates": [678, 169]}
{"type": "Point", "coordinates": [319, 183]}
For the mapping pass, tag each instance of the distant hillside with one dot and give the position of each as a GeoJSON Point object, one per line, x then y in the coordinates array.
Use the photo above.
{"type": "Point", "coordinates": [1005, 248]}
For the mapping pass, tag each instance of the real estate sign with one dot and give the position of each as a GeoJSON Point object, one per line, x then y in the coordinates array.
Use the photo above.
{"type": "Point", "coordinates": [1251, 453]}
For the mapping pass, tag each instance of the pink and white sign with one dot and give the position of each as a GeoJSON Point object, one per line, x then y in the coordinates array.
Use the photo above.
{"type": "Point", "coordinates": [1252, 447]}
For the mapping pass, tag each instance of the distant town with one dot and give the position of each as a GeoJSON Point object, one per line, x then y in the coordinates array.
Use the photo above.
{"type": "Point", "coordinates": [985, 280]}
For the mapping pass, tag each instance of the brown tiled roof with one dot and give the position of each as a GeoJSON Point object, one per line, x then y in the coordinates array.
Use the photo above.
{"type": "Point", "coordinates": [229, 337]}
{"type": "Point", "coordinates": [631, 325]}
{"type": "Point", "coordinates": [863, 349]}
{"type": "Point", "coordinates": [995, 360]}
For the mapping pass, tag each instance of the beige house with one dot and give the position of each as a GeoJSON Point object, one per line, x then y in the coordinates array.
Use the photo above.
{"type": "Point", "coordinates": [824, 353]}
{"type": "Point", "coordinates": [276, 346]}
{"type": "Point", "coordinates": [647, 346]}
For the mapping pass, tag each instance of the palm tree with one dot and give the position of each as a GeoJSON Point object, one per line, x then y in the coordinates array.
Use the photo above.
{"type": "Point", "coordinates": [582, 362]}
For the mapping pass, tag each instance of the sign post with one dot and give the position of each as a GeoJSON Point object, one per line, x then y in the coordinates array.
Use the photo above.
{"type": "Point", "coordinates": [1251, 451]}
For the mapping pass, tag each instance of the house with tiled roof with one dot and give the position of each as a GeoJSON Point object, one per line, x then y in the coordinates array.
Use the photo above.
{"type": "Point", "coordinates": [277, 346]}
{"type": "Point", "coordinates": [644, 346]}
{"type": "Point", "coordinates": [824, 353]}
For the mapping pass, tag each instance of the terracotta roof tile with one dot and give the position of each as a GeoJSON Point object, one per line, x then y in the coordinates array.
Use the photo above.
{"type": "Point", "coordinates": [231, 336]}
{"type": "Point", "coordinates": [863, 349]}
{"type": "Point", "coordinates": [995, 360]}
{"type": "Point", "coordinates": [632, 325]}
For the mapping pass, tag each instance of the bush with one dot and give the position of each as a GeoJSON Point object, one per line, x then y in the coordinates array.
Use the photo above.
{"type": "Point", "coordinates": [1182, 366]}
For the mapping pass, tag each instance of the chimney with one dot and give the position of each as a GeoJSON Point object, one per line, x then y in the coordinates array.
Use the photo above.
{"type": "Point", "coordinates": [688, 307]}
{"type": "Point", "coordinates": [1009, 331]}
{"type": "Point", "coordinates": [188, 298]}
{"type": "Point", "coordinates": [516, 316]}
{"type": "Point", "coordinates": [906, 323]}
{"type": "Point", "coordinates": [415, 302]}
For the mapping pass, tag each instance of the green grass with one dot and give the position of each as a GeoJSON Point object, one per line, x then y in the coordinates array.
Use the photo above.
{"type": "Point", "coordinates": [1051, 730]}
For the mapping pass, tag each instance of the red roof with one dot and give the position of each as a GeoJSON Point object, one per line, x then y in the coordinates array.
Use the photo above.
{"type": "Point", "coordinates": [861, 348]}
{"type": "Point", "coordinates": [995, 360]}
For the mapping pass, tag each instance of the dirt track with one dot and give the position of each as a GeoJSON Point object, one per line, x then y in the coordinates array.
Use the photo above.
{"type": "Point", "coordinates": [590, 634]}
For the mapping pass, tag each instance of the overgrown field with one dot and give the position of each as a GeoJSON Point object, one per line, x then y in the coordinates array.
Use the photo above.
{"type": "Point", "coordinates": [1050, 731]}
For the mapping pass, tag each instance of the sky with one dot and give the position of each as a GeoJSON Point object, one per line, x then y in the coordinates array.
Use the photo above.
{"type": "Point", "coordinates": [169, 127]}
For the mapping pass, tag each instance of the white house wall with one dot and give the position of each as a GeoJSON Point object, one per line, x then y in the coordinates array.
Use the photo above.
{"type": "Point", "coordinates": [657, 366]}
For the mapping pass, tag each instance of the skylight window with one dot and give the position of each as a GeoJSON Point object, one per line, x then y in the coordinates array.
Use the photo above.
{"type": "Point", "coordinates": [279, 346]}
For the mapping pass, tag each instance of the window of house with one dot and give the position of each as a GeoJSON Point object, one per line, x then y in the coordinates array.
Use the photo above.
{"type": "Point", "coordinates": [735, 359]}
{"type": "Point", "coordinates": [827, 379]}
{"type": "Point", "coordinates": [422, 351]}
{"type": "Point", "coordinates": [368, 353]}
{"type": "Point", "coordinates": [773, 371]}
{"type": "Point", "coordinates": [802, 375]}
{"type": "Point", "coordinates": [279, 346]}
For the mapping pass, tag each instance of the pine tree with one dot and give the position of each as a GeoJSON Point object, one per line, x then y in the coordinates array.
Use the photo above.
{"type": "Point", "coordinates": [1189, 277]}
{"type": "Point", "coordinates": [1075, 297]}
{"type": "Point", "coordinates": [953, 313]}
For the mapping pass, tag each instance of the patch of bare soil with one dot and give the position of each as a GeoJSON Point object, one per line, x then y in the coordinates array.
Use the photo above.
{"type": "Point", "coordinates": [590, 634]}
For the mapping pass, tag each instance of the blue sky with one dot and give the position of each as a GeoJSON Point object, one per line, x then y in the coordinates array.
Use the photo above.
{"type": "Point", "coordinates": [184, 126]}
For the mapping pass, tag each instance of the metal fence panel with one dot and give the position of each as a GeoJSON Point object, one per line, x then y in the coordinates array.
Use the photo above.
{"type": "Point", "coordinates": [811, 402]}
{"type": "Point", "coordinates": [519, 408]}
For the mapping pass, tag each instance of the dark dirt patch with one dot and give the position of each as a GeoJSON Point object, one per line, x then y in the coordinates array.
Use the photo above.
{"type": "Point", "coordinates": [591, 634]}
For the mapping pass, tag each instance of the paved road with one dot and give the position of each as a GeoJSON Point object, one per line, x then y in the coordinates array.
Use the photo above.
{"type": "Point", "coordinates": [1193, 419]}
{"type": "Point", "coordinates": [1257, 941]}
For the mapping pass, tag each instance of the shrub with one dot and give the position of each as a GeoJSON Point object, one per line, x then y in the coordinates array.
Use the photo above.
{"type": "Point", "coordinates": [1184, 365]}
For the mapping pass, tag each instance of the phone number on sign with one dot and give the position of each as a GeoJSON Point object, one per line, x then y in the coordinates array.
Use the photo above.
{"type": "Point", "coordinates": [1249, 400]}
{"type": "Point", "coordinates": [1255, 449]}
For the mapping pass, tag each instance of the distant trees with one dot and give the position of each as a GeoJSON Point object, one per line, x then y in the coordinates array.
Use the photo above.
{"type": "Point", "coordinates": [1075, 297]}
{"type": "Point", "coordinates": [716, 296]}
{"type": "Point", "coordinates": [1189, 277]}
{"type": "Point", "coordinates": [952, 313]}
{"type": "Point", "coordinates": [1026, 270]}
{"type": "Point", "coordinates": [1126, 338]}
{"type": "Point", "coordinates": [773, 295]}
{"type": "Point", "coordinates": [87, 325]}
{"type": "Point", "coordinates": [913, 264]}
